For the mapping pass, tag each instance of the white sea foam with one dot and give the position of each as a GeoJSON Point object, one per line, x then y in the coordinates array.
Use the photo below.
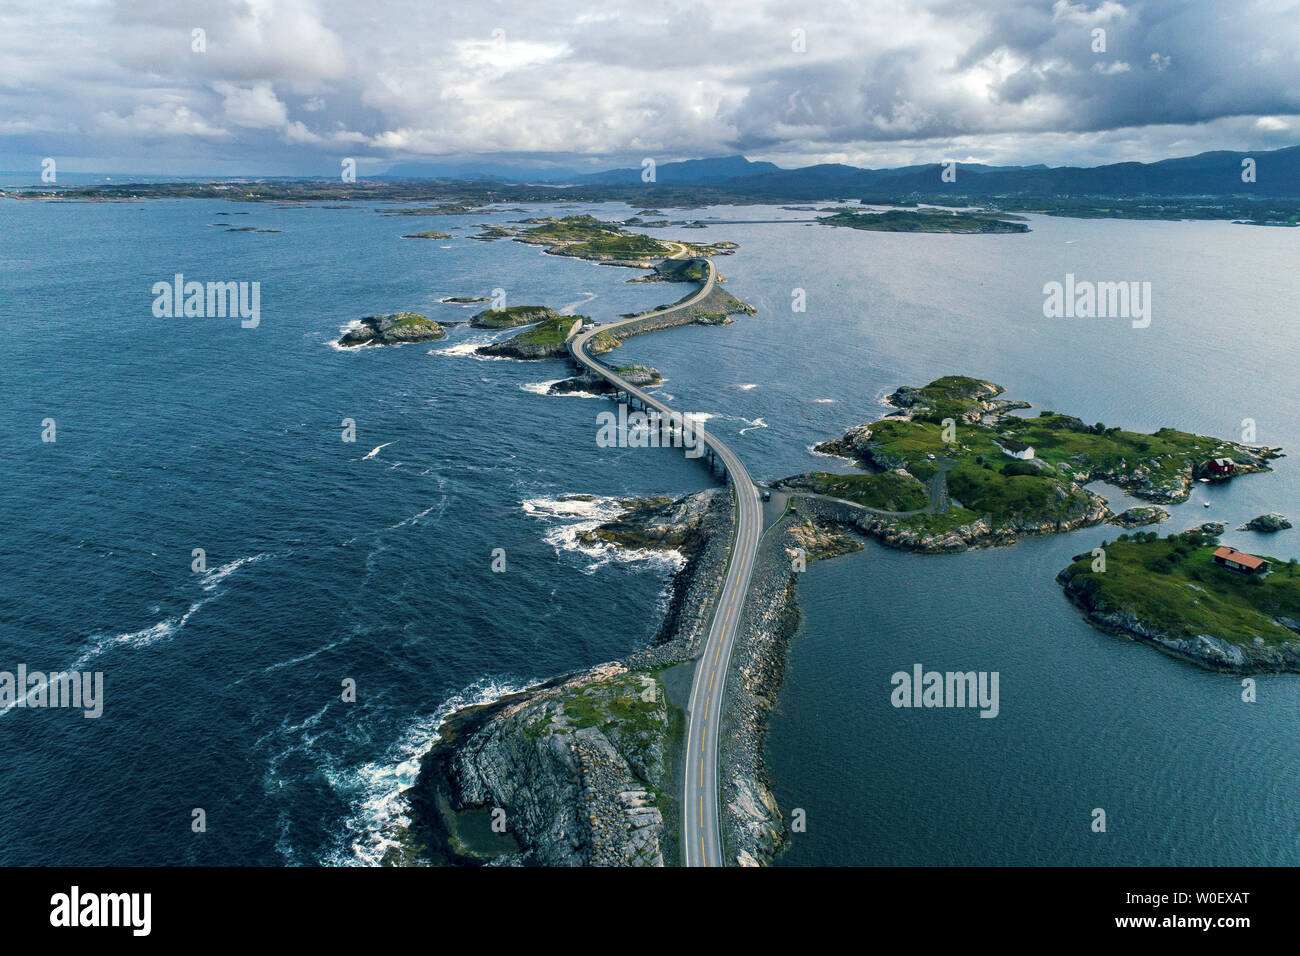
{"type": "Point", "coordinates": [377, 790]}
{"type": "Point", "coordinates": [470, 349]}
{"type": "Point", "coordinates": [750, 426]}
{"type": "Point", "coordinates": [571, 517]}
{"type": "Point", "coordinates": [747, 388]}
{"type": "Point", "coordinates": [544, 388]}
{"type": "Point", "coordinates": [540, 388]}
{"type": "Point", "coordinates": [812, 450]}
{"type": "Point", "coordinates": [824, 401]}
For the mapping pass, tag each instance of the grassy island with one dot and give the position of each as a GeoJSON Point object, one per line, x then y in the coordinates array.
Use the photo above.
{"type": "Point", "coordinates": [928, 220]}
{"type": "Point", "coordinates": [586, 237]}
{"type": "Point", "coordinates": [511, 317]}
{"type": "Point", "coordinates": [1170, 591]}
{"type": "Point", "coordinates": [990, 476]}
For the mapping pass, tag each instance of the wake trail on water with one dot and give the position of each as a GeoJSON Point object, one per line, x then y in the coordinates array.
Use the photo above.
{"type": "Point", "coordinates": [154, 633]}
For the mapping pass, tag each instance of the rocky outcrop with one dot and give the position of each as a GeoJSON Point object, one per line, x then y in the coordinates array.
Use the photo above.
{"type": "Point", "coordinates": [1138, 516]}
{"type": "Point", "coordinates": [395, 328]}
{"type": "Point", "coordinates": [1269, 523]}
{"type": "Point", "coordinates": [577, 767]}
{"type": "Point", "coordinates": [640, 376]}
{"type": "Point", "coordinates": [570, 783]}
{"type": "Point", "coordinates": [660, 522]}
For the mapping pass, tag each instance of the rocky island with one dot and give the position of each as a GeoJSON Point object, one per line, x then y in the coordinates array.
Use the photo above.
{"type": "Point", "coordinates": [641, 376]}
{"type": "Point", "coordinates": [1270, 523]}
{"type": "Point", "coordinates": [547, 339]}
{"type": "Point", "coordinates": [953, 469]}
{"type": "Point", "coordinates": [1193, 599]}
{"type": "Point", "coordinates": [586, 237]}
{"type": "Point", "coordinates": [395, 328]}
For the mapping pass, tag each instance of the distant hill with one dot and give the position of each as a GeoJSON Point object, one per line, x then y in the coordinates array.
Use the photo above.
{"type": "Point", "coordinates": [721, 169]}
{"type": "Point", "coordinates": [1277, 175]}
{"type": "Point", "coordinates": [1213, 174]}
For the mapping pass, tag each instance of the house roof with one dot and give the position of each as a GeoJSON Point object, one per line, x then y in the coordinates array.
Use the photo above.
{"type": "Point", "coordinates": [1013, 444]}
{"type": "Point", "coordinates": [1239, 557]}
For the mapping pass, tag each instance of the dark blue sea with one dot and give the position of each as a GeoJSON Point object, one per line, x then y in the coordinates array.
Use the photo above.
{"type": "Point", "coordinates": [370, 561]}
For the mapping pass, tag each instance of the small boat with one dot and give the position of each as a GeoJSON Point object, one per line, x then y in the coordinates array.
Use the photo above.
{"type": "Point", "coordinates": [1206, 503]}
{"type": "Point", "coordinates": [1205, 481]}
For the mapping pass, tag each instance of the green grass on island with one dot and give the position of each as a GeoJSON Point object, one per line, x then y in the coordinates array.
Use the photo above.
{"type": "Point", "coordinates": [961, 422]}
{"type": "Point", "coordinates": [589, 238]}
{"type": "Point", "coordinates": [552, 331]}
{"type": "Point", "coordinates": [512, 316]}
{"type": "Point", "coordinates": [928, 220]}
{"type": "Point", "coordinates": [410, 320]}
{"type": "Point", "coordinates": [1172, 584]}
{"type": "Point", "coordinates": [886, 491]}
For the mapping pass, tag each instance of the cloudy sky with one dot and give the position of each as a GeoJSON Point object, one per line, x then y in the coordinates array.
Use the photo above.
{"type": "Point", "coordinates": [274, 87]}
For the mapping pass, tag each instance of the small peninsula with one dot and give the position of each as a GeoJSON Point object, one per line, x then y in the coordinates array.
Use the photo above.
{"type": "Point", "coordinates": [1193, 599]}
{"type": "Point", "coordinates": [395, 328]}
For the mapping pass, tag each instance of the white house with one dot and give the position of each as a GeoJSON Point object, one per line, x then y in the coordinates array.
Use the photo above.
{"type": "Point", "coordinates": [1016, 449]}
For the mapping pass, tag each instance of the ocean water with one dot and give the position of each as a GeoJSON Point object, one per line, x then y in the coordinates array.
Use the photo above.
{"type": "Point", "coordinates": [327, 560]}
{"type": "Point", "coordinates": [371, 560]}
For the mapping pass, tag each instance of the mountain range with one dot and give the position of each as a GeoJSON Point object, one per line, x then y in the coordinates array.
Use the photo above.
{"type": "Point", "coordinates": [1218, 173]}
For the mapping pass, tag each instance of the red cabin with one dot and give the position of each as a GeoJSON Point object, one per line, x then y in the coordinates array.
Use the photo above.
{"type": "Point", "coordinates": [1239, 561]}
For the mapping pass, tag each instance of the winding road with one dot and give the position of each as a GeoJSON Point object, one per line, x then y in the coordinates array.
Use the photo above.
{"type": "Point", "coordinates": [701, 833]}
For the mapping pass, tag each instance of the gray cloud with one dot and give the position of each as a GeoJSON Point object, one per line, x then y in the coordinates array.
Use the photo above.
{"type": "Point", "coordinates": [289, 86]}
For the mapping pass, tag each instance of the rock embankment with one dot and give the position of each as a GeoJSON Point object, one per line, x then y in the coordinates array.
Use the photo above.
{"type": "Point", "coordinates": [714, 309]}
{"type": "Point", "coordinates": [754, 829]}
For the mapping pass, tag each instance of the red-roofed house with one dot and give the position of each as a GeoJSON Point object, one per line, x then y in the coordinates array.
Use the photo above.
{"type": "Point", "coordinates": [1239, 561]}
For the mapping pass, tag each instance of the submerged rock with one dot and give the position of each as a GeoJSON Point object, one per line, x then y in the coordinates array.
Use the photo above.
{"type": "Point", "coordinates": [1140, 515]}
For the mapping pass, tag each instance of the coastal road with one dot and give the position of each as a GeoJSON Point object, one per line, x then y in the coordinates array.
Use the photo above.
{"type": "Point", "coordinates": [701, 834]}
